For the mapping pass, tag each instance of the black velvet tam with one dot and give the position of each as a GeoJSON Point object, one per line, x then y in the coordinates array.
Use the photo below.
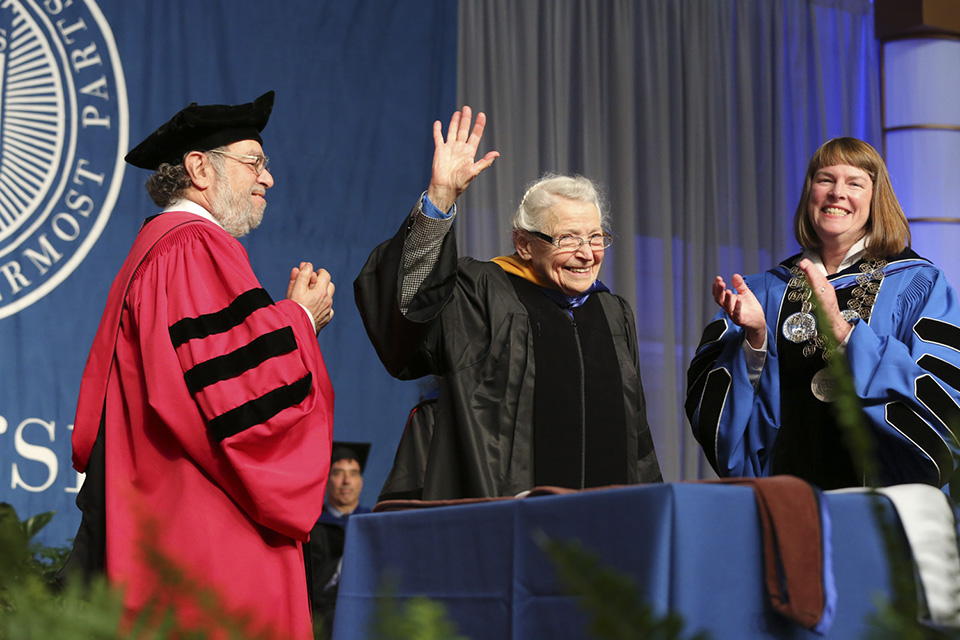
{"type": "Point", "coordinates": [351, 451]}
{"type": "Point", "coordinates": [201, 128]}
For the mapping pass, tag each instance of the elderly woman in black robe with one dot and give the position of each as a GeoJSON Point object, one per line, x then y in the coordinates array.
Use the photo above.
{"type": "Point", "coordinates": [539, 376]}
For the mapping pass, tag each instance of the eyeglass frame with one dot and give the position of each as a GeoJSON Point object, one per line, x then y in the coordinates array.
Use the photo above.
{"type": "Point", "coordinates": [262, 160]}
{"type": "Point", "coordinates": [556, 241]}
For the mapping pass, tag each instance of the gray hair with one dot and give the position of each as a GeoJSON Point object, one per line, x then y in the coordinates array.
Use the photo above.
{"type": "Point", "coordinates": [544, 194]}
{"type": "Point", "coordinates": [170, 181]}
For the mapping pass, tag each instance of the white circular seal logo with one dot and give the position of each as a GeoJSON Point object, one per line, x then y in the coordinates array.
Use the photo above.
{"type": "Point", "coordinates": [63, 134]}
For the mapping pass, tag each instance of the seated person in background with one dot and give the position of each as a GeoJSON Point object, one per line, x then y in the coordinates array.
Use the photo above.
{"type": "Point", "coordinates": [345, 482]}
{"type": "Point", "coordinates": [760, 398]}
{"type": "Point", "coordinates": [538, 363]}
{"type": "Point", "coordinates": [341, 501]}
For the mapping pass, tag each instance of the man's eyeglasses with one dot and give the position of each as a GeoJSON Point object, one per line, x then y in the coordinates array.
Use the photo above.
{"type": "Point", "coordinates": [258, 163]}
{"type": "Point", "coordinates": [572, 243]}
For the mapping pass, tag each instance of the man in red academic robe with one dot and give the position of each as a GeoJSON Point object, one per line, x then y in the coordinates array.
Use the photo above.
{"type": "Point", "coordinates": [205, 416]}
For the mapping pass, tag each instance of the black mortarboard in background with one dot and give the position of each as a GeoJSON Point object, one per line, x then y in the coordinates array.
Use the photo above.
{"type": "Point", "coordinates": [201, 128]}
{"type": "Point", "coordinates": [351, 451]}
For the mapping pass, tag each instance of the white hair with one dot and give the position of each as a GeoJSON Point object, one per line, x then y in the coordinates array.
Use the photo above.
{"type": "Point", "coordinates": [544, 194]}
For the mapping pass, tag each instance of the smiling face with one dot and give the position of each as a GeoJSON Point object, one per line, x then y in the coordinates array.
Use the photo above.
{"type": "Point", "coordinates": [239, 193]}
{"type": "Point", "coordinates": [572, 272]}
{"type": "Point", "coordinates": [839, 205]}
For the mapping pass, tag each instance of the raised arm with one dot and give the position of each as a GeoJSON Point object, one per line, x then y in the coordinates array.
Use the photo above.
{"type": "Point", "coordinates": [423, 254]}
{"type": "Point", "coordinates": [454, 166]}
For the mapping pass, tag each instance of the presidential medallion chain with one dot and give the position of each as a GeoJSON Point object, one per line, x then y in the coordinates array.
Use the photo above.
{"type": "Point", "coordinates": [801, 327]}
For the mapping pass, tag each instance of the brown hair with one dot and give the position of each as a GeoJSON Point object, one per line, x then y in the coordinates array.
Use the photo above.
{"type": "Point", "coordinates": [887, 230]}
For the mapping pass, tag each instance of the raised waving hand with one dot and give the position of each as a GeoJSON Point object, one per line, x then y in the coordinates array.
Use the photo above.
{"type": "Point", "coordinates": [454, 164]}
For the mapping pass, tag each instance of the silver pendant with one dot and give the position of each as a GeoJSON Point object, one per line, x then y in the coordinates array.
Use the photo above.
{"type": "Point", "coordinates": [799, 327]}
{"type": "Point", "coordinates": [824, 386]}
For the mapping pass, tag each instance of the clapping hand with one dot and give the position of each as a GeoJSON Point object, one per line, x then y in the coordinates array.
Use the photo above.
{"type": "Point", "coordinates": [314, 290]}
{"type": "Point", "coordinates": [743, 308]}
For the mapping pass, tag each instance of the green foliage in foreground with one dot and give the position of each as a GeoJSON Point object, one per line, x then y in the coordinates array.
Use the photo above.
{"type": "Point", "coordinates": [34, 607]}
{"type": "Point", "coordinates": [31, 607]}
{"type": "Point", "coordinates": [412, 619]}
{"type": "Point", "coordinates": [612, 599]}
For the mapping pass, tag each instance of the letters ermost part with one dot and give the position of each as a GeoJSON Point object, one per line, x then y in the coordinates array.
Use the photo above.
{"type": "Point", "coordinates": [63, 133]}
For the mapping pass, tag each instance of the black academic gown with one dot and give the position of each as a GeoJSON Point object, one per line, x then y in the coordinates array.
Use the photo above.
{"type": "Point", "coordinates": [468, 326]}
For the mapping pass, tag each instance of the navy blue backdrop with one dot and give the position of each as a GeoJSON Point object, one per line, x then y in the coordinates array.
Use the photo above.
{"type": "Point", "coordinates": [358, 86]}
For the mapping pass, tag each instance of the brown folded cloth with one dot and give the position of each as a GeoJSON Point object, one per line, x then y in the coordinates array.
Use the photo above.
{"type": "Point", "coordinates": [793, 554]}
{"type": "Point", "coordinates": [403, 505]}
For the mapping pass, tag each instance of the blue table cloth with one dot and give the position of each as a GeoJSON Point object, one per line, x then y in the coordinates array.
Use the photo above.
{"type": "Point", "coordinates": [693, 548]}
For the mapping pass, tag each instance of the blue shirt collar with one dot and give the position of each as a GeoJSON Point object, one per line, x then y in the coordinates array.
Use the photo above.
{"type": "Point", "coordinates": [572, 302]}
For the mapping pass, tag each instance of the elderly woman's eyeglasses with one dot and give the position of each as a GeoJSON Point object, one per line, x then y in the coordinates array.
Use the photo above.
{"type": "Point", "coordinates": [258, 163]}
{"type": "Point", "coordinates": [572, 243]}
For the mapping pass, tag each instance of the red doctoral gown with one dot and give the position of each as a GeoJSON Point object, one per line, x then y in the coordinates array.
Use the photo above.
{"type": "Point", "coordinates": [218, 420]}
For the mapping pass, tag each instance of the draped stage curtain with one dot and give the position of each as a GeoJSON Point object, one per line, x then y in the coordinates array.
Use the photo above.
{"type": "Point", "coordinates": [697, 117]}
